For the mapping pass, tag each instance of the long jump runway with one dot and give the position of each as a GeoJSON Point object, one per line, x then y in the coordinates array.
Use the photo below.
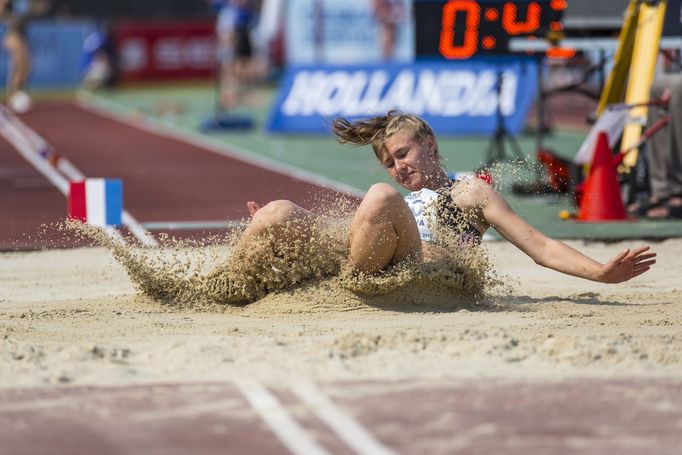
{"type": "Point", "coordinates": [165, 180]}
{"type": "Point", "coordinates": [577, 417]}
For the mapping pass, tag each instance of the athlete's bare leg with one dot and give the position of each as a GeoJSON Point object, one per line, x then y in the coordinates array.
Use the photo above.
{"type": "Point", "coordinates": [383, 231]}
{"type": "Point", "coordinates": [283, 219]}
{"type": "Point", "coordinates": [20, 59]}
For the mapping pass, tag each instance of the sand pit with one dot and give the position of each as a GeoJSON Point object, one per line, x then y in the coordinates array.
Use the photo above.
{"type": "Point", "coordinates": [73, 317]}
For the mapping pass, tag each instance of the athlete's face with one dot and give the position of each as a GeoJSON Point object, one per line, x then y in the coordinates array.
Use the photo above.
{"type": "Point", "coordinates": [411, 163]}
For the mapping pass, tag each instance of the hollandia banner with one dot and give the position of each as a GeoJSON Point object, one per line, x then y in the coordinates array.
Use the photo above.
{"type": "Point", "coordinates": [458, 97]}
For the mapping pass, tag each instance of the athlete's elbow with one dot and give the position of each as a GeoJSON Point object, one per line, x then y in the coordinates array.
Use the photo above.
{"type": "Point", "coordinates": [541, 261]}
{"type": "Point", "coordinates": [544, 257]}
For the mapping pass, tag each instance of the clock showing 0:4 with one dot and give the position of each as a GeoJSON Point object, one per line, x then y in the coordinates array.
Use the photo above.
{"type": "Point", "coordinates": [460, 29]}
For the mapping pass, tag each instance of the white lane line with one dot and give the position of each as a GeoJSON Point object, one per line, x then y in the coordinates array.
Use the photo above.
{"type": "Point", "coordinates": [221, 407]}
{"type": "Point", "coordinates": [26, 151]}
{"type": "Point", "coordinates": [120, 113]}
{"type": "Point", "coordinates": [346, 427]}
{"type": "Point", "coordinates": [140, 233]}
{"type": "Point", "coordinates": [192, 225]}
{"type": "Point", "coordinates": [29, 145]}
{"type": "Point", "coordinates": [38, 404]}
{"type": "Point", "coordinates": [287, 430]}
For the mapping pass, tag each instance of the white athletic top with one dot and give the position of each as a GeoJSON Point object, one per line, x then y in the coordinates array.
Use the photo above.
{"type": "Point", "coordinates": [422, 203]}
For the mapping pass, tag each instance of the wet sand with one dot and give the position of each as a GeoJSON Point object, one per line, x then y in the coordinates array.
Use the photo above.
{"type": "Point", "coordinates": [74, 317]}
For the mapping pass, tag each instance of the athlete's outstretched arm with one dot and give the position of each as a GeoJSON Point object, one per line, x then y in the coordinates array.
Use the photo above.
{"type": "Point", "coordinates": [557, 255]}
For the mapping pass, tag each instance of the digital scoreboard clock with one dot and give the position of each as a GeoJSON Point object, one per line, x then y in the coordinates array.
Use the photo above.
{"type": "Point", "coordinates": [460, 29]}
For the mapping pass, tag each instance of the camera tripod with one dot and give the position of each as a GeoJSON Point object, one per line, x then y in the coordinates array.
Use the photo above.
{"type": "Point", "coordinates": [496, 146]}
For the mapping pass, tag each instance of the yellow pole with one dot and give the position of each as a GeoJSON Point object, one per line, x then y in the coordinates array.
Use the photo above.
{"type": "Point", "coordinates": [614, 88]}
{"type": "Point", "coordinates": [643, 68]}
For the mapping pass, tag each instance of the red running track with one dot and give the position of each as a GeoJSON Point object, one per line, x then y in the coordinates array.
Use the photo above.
{"type": "Point", "coordinates": [164, 179]}
{"type": "Point", "coordinates": [473, 417]}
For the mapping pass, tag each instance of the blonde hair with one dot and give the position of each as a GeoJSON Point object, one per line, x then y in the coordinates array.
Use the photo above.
{"type": "Point", "coordinates": [376, 130]}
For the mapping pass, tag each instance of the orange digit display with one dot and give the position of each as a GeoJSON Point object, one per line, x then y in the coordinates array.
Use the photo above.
{"type": "Point", "coordinates": [469, 46]}
{"type": "Point", "coordinates": [491, 14]}
{"type": "Point", "coordinates": [513, 26]}
{"type": "Point", "coordinates": [488, 42]}
{"type": "Point", "coordinates": [482, 27]}
{"type": "Point", "coordinates": [558, 5]}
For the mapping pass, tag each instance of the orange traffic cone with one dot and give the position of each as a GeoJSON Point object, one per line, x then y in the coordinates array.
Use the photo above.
{"type": "Point", "coordinates": [601, 199]}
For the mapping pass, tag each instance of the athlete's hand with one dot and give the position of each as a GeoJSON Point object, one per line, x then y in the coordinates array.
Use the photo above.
{"type": "Point", "coordinates": [627, 265]}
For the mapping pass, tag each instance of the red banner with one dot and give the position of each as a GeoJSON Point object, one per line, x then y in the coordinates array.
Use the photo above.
{"type": "Point", "coordinates": [165, 50]}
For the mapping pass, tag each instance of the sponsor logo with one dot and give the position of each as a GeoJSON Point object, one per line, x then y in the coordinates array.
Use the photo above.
{"type": "Point", "coordinates": [134, 54]}
{"type": "Point", "coordinates": [171, 53]}
{"type": "Point", "coordinates": [168, 53]}
{"type": "Point", "coordinates": [425, 92]}
{"type": "Point", "coordinates": [454, 97]}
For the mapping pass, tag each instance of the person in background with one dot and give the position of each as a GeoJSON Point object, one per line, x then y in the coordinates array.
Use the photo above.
{"type": "Point", "coordinates": [665, 152]}
{"type": "Point", "coordinates": [245, 16]}
{"type": "Point", "coordinates": [224, 30]}
{"type": "Point", "coordinates": [389, 14]}
{"type": "Point", "coordinates": [15, 42]}
{"type": "Point", "coordinates": [98, 64]}
{"type": "Point", "coordinates": [268, 39]}
{"type": "Point", "coordinates": [233, 32]}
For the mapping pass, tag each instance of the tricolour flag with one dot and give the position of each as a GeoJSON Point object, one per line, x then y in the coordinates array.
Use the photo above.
{"type": "Point", "coordinates": [96, 201]}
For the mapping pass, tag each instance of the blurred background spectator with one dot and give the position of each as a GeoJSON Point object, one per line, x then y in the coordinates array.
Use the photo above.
{"type": "Point", "coordinates": [665, 152]}
{"type": "Point", "coordinates": [236, 70]}
{"type": "Point", "coordinates": [99, 58]}
{"type": "Point", "coordinates": [390, 15]}
{"type": "Point", "coordinates": [14, 15]}
{"type": "Point", "coordinates": [268, 39]}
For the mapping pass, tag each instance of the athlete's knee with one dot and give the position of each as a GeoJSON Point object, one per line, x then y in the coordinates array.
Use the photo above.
{"type": "Point", "coordinates": [379, 204]}
{"type": "Point", "coordinates": [382, 194]}
{"type": "Point", "coordinates": [276, 212]}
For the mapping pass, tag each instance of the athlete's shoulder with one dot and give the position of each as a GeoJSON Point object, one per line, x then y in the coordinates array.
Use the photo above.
{"type": "Point", "coordinates": [470, 192]}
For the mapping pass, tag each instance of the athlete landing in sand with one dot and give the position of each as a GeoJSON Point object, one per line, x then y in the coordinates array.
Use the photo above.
{"type": "Point", "coordinates": [385, 231]}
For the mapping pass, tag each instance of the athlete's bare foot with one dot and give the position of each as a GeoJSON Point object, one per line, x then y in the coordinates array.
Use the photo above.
{"type": "Point", "coordinates": [253, 207]}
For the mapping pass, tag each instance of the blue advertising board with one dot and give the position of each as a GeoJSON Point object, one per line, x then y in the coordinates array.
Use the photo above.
{"type": "Point", "coordinates": [56, 53]}
{"type": "Point", "coordinates": [458, 97]}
